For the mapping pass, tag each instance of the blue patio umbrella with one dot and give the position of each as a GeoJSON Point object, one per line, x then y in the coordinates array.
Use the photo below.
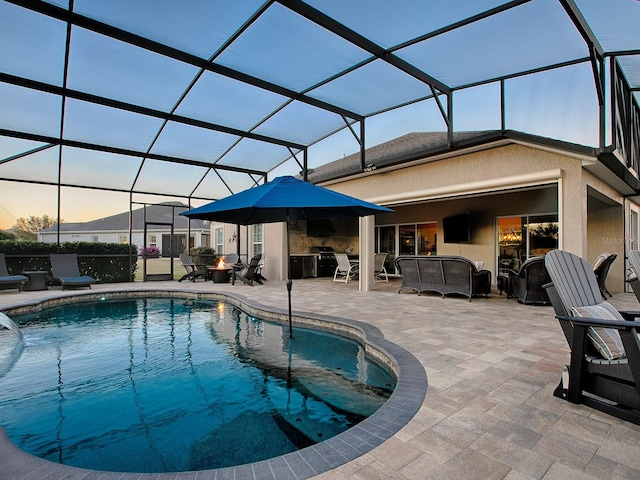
{"type": "Point", "coordinates": [284, 199]}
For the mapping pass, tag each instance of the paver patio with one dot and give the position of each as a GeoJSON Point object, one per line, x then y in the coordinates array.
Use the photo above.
{"type": "Point", "coordinates": [491, 364]}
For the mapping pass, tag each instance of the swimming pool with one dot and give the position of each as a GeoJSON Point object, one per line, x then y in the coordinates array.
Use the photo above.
{"type": "Point", "coordinates": [178, 384]}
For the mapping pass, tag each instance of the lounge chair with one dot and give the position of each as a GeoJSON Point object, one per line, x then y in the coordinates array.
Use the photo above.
{"type": "Point", "coordinates": [634, 264]}
{"type": "Point", "coordinates": [526, 283]}
{"type": "Point", "coordinates": [231, 259]}
{"type": "Point", "coordinates": [248, 272]}
{"type": "Point", "coordinates": [10, 281]}
{"type": "Point", "coordinates": [379, 270]}
{"type": "Point", "coordinates": [345, 270]}
{"type": "Point", "coordinates": [64, 269]}
{"type": "Point", "coordinates": [193, 271]}
{"type": "Point", "coordinates": [258, 276]}
{"type": "Point", "coordinates": [604, 370]}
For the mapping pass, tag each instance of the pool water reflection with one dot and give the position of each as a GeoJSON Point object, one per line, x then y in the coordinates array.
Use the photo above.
{"type": "Point", "coordinates": [163, 385]}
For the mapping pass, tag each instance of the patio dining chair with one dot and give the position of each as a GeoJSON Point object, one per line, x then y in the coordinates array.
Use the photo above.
{"type": "Point", "coordinates": [604, 369]}
{"type": "Point", "coordinates": [345, 270]}
{"type": "Point", "coordinates": [379, 270]}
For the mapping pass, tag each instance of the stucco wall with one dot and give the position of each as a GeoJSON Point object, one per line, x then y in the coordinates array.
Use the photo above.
{"type": "Point", "coordinates": [493, 170]}
{"type": "Point", "coordinates": [507, 180]}
{"type": "Point", "coordinates": [605, 227]}
{"type": "Point", "coordinates": [483, 211]}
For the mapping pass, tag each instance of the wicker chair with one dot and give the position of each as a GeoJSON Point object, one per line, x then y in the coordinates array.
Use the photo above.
{"type": "Point", "coordinates": [526, 284]}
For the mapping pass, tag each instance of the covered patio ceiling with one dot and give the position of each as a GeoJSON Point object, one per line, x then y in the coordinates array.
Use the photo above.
{"type": "Point", "coordinates": [200, 99]}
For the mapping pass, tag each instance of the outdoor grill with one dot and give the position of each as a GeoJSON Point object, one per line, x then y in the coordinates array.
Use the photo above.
{"type": "Point", "coordinates": [326, 260]}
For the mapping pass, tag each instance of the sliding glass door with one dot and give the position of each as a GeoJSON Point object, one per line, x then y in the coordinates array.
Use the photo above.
{"type": "Point", "coordinates": [523, 237]}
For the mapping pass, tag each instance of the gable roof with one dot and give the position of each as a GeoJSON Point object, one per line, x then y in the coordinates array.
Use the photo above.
{"type": "Point", "coordinates": [160, 213]}
{"type": "Point", "coordinates": [425, 145]}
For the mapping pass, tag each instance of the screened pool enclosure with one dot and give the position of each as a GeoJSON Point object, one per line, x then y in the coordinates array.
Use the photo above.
{"type": "Point", "coordinates": [108, 103]}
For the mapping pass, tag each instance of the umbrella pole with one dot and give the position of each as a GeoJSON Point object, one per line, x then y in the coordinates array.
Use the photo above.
{"type": "Point", "coordinates": [289, 281]}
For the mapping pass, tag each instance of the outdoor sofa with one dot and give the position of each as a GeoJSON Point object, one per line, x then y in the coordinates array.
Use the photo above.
{"type": "Point", "coordinates": [443, 274]}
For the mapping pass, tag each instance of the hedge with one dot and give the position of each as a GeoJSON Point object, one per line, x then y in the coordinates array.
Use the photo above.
{"type": "Point", "coordinates": [106, 262]}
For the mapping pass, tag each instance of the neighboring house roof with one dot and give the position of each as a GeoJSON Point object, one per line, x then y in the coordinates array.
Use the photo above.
{"type": "Point", "coordinates": [423, 145]}
{"type": "Point", "coordinates": [161, 213]}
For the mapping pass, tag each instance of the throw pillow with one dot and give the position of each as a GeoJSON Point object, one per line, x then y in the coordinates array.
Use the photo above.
{"type": "Point", "coordinates": [606, 340]}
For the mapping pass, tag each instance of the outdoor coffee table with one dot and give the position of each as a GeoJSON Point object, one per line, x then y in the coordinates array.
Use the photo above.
{"type": "Point", "coordinates": [37, 280]}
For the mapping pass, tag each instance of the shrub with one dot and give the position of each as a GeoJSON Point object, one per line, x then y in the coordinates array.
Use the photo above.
{"type": "Point", "coordinates": [203, 256]}
{"type": "Point", "coordinates": [106, 262]}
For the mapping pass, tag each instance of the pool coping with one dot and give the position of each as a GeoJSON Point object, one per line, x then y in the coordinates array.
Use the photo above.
{"type": "Point", "coordinates": [402, 405]}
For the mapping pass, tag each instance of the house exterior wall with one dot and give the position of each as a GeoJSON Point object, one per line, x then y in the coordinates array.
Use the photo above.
{"type": "Point", "coordinates": [494, 170]}
{"type": "Point", "coordinates": [483, 210]}
{"type": "Point", "coordinates": [104, 237]}
{"type": "Point", "coordinates": [508, 180]}
{"type": "Point", "coordinates": [606, 227]}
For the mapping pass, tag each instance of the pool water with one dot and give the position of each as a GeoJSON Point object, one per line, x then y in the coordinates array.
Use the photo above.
{"type": "Point", "coordinates": [167, 385]}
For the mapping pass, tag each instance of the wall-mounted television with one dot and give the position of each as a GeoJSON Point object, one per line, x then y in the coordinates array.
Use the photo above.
{"type": "Point", "coordinates": [456, 229]}
{"type": "Point", "coordinates": [320, 228]}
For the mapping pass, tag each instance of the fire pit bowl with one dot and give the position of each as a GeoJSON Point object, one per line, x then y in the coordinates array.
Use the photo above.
{"type": "Point", "coordinates": [220, 275]}
{"type": "Point", "coordinates": [220, 272]}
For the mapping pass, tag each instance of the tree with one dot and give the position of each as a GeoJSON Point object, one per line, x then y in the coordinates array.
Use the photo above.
{"type": "Point", "coordinates": [6, 235]}
{"type": "Point", "coordinates": [32, 224]}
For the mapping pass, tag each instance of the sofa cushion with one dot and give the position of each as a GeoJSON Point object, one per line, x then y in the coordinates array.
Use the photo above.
{"type": "Point", "coordinates": [606, 340]}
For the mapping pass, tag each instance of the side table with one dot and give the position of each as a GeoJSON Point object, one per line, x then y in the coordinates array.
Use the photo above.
{"type": "Point", "coordinates": [37, 280]}
{"type": "Point", "coordinates": [503, 284]}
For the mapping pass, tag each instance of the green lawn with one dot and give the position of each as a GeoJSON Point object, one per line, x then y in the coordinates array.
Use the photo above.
{"type": "Point", "coordinates": [159, 266]}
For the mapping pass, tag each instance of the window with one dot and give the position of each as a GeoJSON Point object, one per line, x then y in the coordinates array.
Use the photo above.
{"type": "Point", "coordinates": [218, 235]}
{"type": "Point", "coordinates": [153, 240]}
{"type": "Point", "coordinates": [523, 237]}
{"type": "Point", "coordinates": [427, 238]}
{"type": "Point", "coordinates": [93, 238]}
{"type": "Point", "coordinates": [257, 239]}
{"type": "Point", "coordinates": [122, 239]}
{"type": "Point", "coordinates": [413, 239]}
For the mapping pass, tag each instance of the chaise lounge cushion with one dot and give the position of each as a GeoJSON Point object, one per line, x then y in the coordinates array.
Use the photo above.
{"type": "Point", "coordinates": [606, 340]}
{"type": "Point", "coordinates": [10, 281]}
